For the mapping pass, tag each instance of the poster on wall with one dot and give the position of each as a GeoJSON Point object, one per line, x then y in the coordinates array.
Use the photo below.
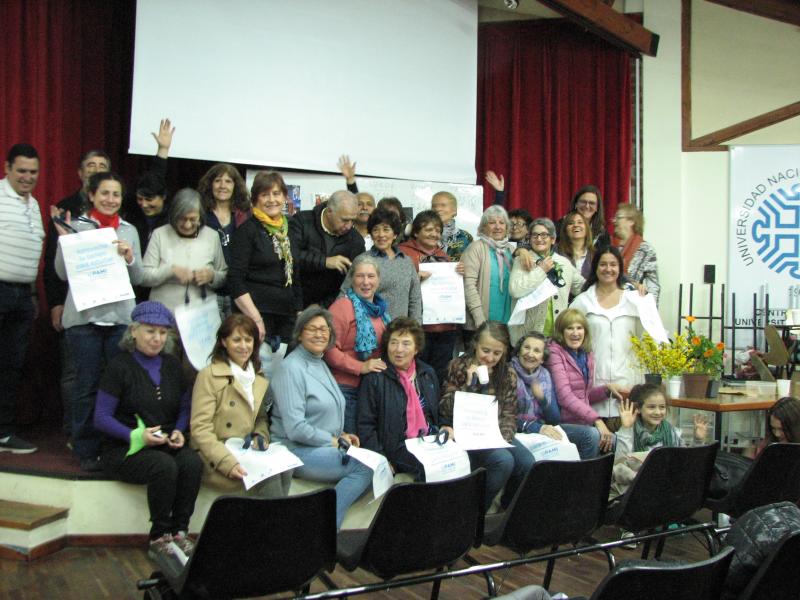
{"type": "Point", "coordinates": [764, 240]}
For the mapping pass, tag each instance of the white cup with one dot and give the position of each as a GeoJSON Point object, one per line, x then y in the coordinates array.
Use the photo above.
{"type": "Point", "coordinates": [483, 374]}
{"type": "Point", "coordinates": [784, 387]}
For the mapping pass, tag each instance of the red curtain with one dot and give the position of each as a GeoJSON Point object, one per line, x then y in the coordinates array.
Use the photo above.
{"type": "Point", "coordinates": [554, 113]}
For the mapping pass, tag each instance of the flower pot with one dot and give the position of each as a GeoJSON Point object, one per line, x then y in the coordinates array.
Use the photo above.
{"type": "Point", "coordinates": [713, 388]}
{"type": "Point", "coordinates": [652, 378]}
{"type": "Point", "coordinates": [695, 384]}
{"type": "Point", "coordinates": [674, 384]}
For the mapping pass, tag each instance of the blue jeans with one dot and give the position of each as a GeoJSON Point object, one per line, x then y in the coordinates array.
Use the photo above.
{"type": "Point", "coordinates": [92, 347]}
{"type": "Point", "coordinates": [585, 437]}
{"type": "Point", "coordinates": [350, 394]}
{"type": "Point", "coordinates": [324, 463]}
{"type": "Point", "coordinates": [498, 462]}
{"type": "Point", "coordinates": [523, 461]}
{"type": "Point", "coordinates": [16, 317]}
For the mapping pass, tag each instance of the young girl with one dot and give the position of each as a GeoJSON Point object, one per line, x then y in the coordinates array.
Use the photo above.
{"type": "Point", "coordinates": [490, 347]}
{"type": "Point", "coordinates": [537, 409]}
{"type": "Point", "coordinates": [784, 422]}
{"type": "Point", "coordinates": [644, 427]}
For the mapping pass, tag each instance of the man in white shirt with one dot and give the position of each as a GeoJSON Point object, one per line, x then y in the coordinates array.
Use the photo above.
{"type": "Point", "coordinates": [21, 236]}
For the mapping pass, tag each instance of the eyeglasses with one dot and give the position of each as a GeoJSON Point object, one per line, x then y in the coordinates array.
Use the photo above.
{"type": "Point", "coordinates": [587, 203]}
{"type": "Point", "coordinates": [620, 217]}
{"type": "Point", "coordinates": [517, 224]}
{"type": "Point", "coordinates": [539, 236]}
{"type": "Point", "coordinates": [325, 330]}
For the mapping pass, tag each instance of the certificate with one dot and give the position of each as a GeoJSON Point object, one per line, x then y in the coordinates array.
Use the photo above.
{"type": "Point", "coordinates": [197, 323]}
{"type": "Point", "coordinates": [382, 477]}
{"type": "Point", "coordinates": [648, 315]}
{"type": "Point", "coordinates": [96, 272]}
{"type": "Point", "coordinates": [544, 291]}
{"type": "Point", "coordinates": [441, 463]}
{"type": "Point", "coordinates": [475, 422]}
{"type": "Point", "coordinates": [546, 448]}
{"type": "Point", "coordinates": [262, 464]}
{"type": "Point", "coordinates": [442, 294]}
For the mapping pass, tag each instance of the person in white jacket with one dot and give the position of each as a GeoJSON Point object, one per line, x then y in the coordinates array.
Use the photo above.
{"type": "Point", "coordinates": [613, 318]}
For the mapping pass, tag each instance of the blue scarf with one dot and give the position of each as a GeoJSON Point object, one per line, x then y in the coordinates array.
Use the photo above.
{"type": "Point", "coordinates": [583, 362]}
{"type": "Point", "coordinates": [366, 340]}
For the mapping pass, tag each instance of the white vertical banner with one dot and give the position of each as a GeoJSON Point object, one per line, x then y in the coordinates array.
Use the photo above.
{"type": "Point", "coordinates": [764, 240]}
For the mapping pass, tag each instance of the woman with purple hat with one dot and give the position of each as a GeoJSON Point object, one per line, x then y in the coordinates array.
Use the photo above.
{"type": "Point", "coordinates": [142, 409]}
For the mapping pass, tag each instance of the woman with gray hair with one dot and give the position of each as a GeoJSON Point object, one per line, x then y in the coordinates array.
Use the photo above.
{"type": "Point", "coordinates": [184, 259]}
{"type": "Point", "coordinates": [359, 320]}
{"type": "Point", "coordinates": [487, 270]}
{"type": "Point", "coordinates": [308, 412]}
{"type": "Point", "coordinates": [547, 267]}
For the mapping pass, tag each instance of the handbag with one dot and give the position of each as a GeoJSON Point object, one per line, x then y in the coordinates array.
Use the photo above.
{"type": "Point", "coordinates": [729, 470]}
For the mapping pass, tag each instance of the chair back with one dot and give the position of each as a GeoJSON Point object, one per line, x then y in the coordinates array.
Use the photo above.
{"type": "Point", "coordinates": [778, 576]}
{"type": "Point", "coordinates": [773, 477]}
{"type": "Point", "coordinates": [425, 525]}
{"type": "Point", "coordinates": [558, 502]}
{"type": "Point", "coordinates": [254, 546]}
{"type": "Point", "coordinates": [655, 580]}
{"type": "Point", "coordinates": [670, 487]}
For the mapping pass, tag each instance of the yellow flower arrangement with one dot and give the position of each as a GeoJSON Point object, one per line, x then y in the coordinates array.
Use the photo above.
{"type": "Point", "coordinates": [666, 359]}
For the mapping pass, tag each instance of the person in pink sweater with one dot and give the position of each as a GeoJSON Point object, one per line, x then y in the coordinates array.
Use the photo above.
{"type": "Point", "coordinates": [571, 366]}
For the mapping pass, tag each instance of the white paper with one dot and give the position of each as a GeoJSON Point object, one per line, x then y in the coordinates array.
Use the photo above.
{"type": "Point", "coordinates": [382, 477]}
{"type": "Point", "coordinates": [648, 315]}
{"type": "Point", "coordinates": [262, 464]}
{"type": "Point", "coordinates": [198, 323]}
{"type": "Point", "coordinates": [546, 448]}
{"type": "Point", "coordinates": [543, 292]}
{"type": "Point", "coordinates": [475, 422]}
{"type": "Point", "coordinates": [271, 361]}
{"type": "Point", "coordinates": [442, 294]}
{"type": "Point", "coordinates": [96, 272]}
{"type": "Point", "coordinates": [441, 463]}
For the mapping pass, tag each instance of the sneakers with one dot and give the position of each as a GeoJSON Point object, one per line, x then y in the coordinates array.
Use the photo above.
{"type": "Point", "coordinates": [184, 542]}
{"type": "Point", "coordinates": [161, 547]}
{"type": "Point", "coordinates": [16, 445]}
{"type": "Point", "coordinates": [90, 465]}
{"type": "Point", "coordinates": [627, 535]}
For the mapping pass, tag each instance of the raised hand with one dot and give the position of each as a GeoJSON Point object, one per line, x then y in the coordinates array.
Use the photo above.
{"type": "Point", "coordinates": [627, 413]}
{"type": "Point", "coordinates": [347, 168]}
{"type": "Point", "coordinates": [700, 427]}
{"type": "Point", "coordinates": [164, 137]}
{"type": "Point", "coordinates": [497, 182]}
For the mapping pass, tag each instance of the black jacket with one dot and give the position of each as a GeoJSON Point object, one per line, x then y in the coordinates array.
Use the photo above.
{"type": "Point", "coordinates": [312, 246]}
{"type": "Point", "coordinates": [257, 270]}
{"type": "Point", "coordinates": [55, 289]}
{"type": "Point", "coordinates": [382, 409]}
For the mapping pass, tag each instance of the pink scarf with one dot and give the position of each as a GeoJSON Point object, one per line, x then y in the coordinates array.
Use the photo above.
{"type": "Point", "coordinates": [415, 417]}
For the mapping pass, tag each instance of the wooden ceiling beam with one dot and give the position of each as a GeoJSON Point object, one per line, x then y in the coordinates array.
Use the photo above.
{"type": "Point", "coordinates": [598, 17]}
{"type": "Point", "coordinates": [785, 11]}
{"type": "Point", "coordinates": [716, 138]}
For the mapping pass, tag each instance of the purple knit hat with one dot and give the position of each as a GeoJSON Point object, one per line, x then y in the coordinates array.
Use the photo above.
{"type": "Point", "coordinates": [152, 313]}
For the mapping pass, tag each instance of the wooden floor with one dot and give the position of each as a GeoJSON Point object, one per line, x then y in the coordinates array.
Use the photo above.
{"type": "Point", "coordinates": [106, 572]}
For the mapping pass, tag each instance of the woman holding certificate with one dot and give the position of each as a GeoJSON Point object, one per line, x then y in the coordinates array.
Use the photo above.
{"type": "Point", "coordinates": [485, 369]}
{"type": "Point", "coordinates": [401, 402]}
{"type": "Point", "coordinates": [487, 270]}
{"type": "Point", "coordinates": [229, 401]}
{"type": "Point", "coordinates": [93, 334]}
{"type": "Point", "coordinates": [308, 412]}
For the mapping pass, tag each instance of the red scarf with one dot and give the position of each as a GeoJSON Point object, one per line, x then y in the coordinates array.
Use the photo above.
{"type": "Point", "coordinates": [105, 220]}
{"type": "Point", "coordinates": [629, 249]}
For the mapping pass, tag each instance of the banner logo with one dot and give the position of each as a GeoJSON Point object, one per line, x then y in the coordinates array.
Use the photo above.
{"type": "Point", "coordinates": [776, 232]}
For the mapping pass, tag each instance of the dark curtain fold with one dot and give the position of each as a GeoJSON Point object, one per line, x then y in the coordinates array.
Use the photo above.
{"type": "Point", "coordinates": [554, 113]}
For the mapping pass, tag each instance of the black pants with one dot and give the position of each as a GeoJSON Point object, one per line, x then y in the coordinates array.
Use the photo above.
{"type": "Point", "coordinates": [172, 478]}
{"type": "Point", "coordinates": [280, 325]}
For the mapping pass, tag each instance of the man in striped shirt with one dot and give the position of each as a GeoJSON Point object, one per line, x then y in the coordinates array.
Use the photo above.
{"type": "Point", "coordinates": [21, 235]}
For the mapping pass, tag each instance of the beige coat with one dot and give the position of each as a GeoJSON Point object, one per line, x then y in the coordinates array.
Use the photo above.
{"type": "Point", "coordinates": [477, 283]}
{"type": "Point", "coordinates": [220, 410]}
{"type": "Point", "coordinates": [524, 282]}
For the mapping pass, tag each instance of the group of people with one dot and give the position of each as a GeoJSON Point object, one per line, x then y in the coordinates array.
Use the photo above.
{"type": "Point", "coordinates": [341, 285]}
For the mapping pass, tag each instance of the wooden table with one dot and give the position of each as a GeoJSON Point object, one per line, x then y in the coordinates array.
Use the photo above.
{"type": "Point", "coordinates": [726, 402]}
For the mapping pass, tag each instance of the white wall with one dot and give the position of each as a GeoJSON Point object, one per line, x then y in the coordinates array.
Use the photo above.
{"type": "Point", "coordinates": [686, 194]}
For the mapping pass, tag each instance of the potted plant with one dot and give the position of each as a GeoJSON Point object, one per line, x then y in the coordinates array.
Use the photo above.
{"type": "Point", "coordinates": [706, 357]}
{"type": "Point", "coordinates": [648, 354]}
{"type": "Point", "coordinates": [662, 360]}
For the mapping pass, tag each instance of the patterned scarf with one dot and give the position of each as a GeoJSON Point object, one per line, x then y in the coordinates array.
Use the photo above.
{"type": "Point", "coordinates": [278, 230]}
{"type": "Point", "coordinates": [105, 220]}
{"type": "Point", "coordinates": [366, 340]}
{"type": "Point", "coordinates": [525, 398]}
{"type": "Point", "coordinates": [415, 416]}
{"type": "Point", "coordinates": [663, 435]}
{"type": "Point", "coordinates": [629, 249]}
{"type": "Point", "coordinates": [449, 233]}
{"type": "Point", "coordinates": [502, 250]}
